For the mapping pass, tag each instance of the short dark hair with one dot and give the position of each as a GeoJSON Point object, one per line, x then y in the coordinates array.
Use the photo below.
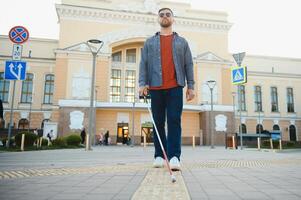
{"type": "Point", "coordinates": [165, 9]}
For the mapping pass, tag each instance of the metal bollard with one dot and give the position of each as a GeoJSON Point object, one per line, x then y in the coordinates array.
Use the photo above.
{"type": "Point", "coordinates": [233, 142]}
{"type": "Point", "coordinates": [40, 141]}
{"type": "Point", "coordinates": [280, 144]}
{"type": "Point", "coordinates": [22, 142]}
{"type": "Point", "coordinates": [193, 141]}
{"type": "Point", "coordinates": [258, 143]}
{"type": "Point", "coordinates": [87, 142]}
{"type": "Point", "coordinates": [271, 143]}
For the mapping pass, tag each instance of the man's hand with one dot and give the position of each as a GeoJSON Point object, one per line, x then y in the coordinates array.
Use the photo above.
{"type": "Point", "coordinates": [189, 94]}
{"type": "Point", "coordinates": [143, 91]}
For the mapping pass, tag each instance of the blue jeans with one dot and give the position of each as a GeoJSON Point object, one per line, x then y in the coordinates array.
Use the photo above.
{"type": "Point", "coordinates": [168, 103]}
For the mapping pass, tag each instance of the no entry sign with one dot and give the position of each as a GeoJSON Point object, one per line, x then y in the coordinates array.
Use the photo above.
{"type": "Point", "coordinates": [18, 34]}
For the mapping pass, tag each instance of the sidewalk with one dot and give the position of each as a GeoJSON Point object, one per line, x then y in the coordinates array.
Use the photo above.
{"type": "Point", "coordinates": [122, 172]}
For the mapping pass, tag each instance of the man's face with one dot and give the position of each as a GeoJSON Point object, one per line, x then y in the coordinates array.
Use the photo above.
{"type": "Point", "coordinates": [165, 18]}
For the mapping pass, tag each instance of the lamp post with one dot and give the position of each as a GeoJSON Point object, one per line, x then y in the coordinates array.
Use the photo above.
{"type": "Point", "coordinates": [94, 115]}
{"type": "Point", "coordinates": [29, 116]}
{"type": "Point", "coordinates": [240, 124]}
{"type": "Point", "coordinates": [133, 123]}
{"type": "Point", "coordinates": [233, 102]}
{"type": "Point", "coordinates": [211, 84]}
{"type": "Point", "coordinates": [94, 46]}
{"type": "Point", "coordinates": [259, 127]}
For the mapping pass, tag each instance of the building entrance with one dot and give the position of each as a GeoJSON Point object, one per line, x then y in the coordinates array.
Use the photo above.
{"type": "Point", "coordinates": [147, 130]}
{"type": "Point", "coordinates": [122, 133]}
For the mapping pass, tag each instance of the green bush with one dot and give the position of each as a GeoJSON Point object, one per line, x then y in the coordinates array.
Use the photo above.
{"type": "Point", "coordinates": [73, 140]}
{"type": "Point", "coordinates": [30, 138]}
{"type": "Point", "coordinates": [290, 144]}
{"type": "Point", "coordinates": [59, 142]}
{"type": "Point", "coordinates": [44, 142]}
{"type": "Point", "coordinates": [12, 141]}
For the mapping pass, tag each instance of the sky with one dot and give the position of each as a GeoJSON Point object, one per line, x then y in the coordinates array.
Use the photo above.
{"type": "Point", "coordinates": [260, 27]}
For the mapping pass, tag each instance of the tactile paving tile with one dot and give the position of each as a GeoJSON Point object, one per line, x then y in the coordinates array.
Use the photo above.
{"type": "Point", "coordinates": [157, 185]}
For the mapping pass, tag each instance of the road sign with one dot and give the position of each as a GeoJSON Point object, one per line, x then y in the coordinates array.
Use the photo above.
{"type": "Point", "coordinates": [238, 75]}
{"type": "Point", "coordinates": [18, 34]}
{"type": "Point", "coordinates": [15, 70]}
{"type": "Point", "coordinates": [239, 57]}
{"type": "Point", "coordinates": [17, 52]}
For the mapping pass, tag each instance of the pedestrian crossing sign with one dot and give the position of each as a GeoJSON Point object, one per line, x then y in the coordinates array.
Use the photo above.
{"type": "Point", "coordinates": [239, 75]}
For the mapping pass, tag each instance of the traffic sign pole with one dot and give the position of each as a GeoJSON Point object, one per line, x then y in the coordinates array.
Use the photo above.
{"type": "Point", "coordinates": [11, 115]}
{"type": "Point", "coordinates": [238, 59]}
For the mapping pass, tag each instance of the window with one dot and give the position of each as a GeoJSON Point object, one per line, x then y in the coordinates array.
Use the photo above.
{"type": "Point", "coordinates": [290, 100]}
{"type": "Point", "coordinates": [4, 88]}
{"type": "Point", "coordinates": [115, 85]}
{"type": "Point", "coordinates": [242, 97]}
{"type": "Point", "coordinates": [130, 79]}
{"type": "Point", "coordinates": [131, 55]}
{"type": "Point", "coordinates": [23, 124]}
{"type": "Point", "coordinates": [48, 89]}
{"type": "Point", "coordinates": [274, 99]}
{"type": "Point", "coordinates": [292, 133]}
{"type": "Point", "coordinates": [116, 57]}
{"type": "Point", "coordinates": [243, 128]}
{"type": "Point", "coordinates": [258, 99]}
{"type": "Point", "coordinates": [259, 127]}
{"type": "Point", "coordinates": [26, 95]}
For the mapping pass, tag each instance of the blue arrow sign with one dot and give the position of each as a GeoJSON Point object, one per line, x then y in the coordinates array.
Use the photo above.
{"type": "Point", "coordinates": [239, 75]}
{"type": "Point", "coordinates": [15, 70]}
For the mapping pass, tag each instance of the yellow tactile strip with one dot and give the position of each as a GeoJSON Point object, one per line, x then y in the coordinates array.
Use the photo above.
{"type": "Point", "coordinates": [241, 163]}
{"type": "Point", "coordinates": [69, 171]}
{"type": "Point", "coordinates": [9, 174]}
{"type": "Point", "coordinates": [157, 185]}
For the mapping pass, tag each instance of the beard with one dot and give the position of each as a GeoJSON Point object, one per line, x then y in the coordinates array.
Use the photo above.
{"type": "Point", "coordinates": [165, 23]}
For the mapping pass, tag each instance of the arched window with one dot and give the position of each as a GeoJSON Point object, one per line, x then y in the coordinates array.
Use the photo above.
{"type": "Point", "coordinates": [48, 89]}
{"type": "Point", "coordinates": [276, 127]}
{"type": "Point", "coordinates": [243, 128]}
{"type": "Point", "coordinates": [292, 133]}
{"type": "Point", "coordinates": [23, 124]}
{"type": "Point", "coordinates": [259, 127]}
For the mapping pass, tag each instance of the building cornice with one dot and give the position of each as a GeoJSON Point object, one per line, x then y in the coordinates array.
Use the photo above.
{"type": "Point", "coordinates": [125, 105]}
{"type": "Point", "coordinates": [116, 16]}
{"type": "Point", "coordinates": [273, 74]}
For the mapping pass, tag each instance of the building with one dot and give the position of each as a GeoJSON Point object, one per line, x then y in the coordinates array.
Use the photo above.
{"type": "Point", "coordinates": [59, 75]}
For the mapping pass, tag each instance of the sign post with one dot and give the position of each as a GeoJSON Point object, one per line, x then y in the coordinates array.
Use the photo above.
{"type": "Point", "coordinates": [15, 69]}
{"type": "Point", "coordinates": [239, 77]}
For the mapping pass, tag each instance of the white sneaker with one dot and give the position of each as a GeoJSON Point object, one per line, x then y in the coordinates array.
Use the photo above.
{"type": "Point", "coordinates": [174, 164]}
{"type": "Point", "coordinates": [158, 162]}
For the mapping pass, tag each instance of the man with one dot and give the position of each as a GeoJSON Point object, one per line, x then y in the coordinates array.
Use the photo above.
{"type": "Point", "coordinates": [83, 135]}
{"type": "Point", "coordinates": [166, 63]}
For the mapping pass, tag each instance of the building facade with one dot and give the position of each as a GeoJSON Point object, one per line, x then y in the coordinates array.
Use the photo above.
{"type": "Point", "coordinates": [58, 81]}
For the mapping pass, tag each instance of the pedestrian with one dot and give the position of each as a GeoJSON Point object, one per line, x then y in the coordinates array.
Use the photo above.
{"type": "Point", "coordinates": [50, 135]}
{"type": "Point", "coordinates": [166, 62]}
{"type": "Point", "coordinates": [107, 135]}
{"type": "Point", "coordinates": [83, 135]}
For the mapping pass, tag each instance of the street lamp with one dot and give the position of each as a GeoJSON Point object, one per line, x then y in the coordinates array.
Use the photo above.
{"type": "Point", "coordinates": [211, 84]}
{"type": "Point", "coordinates": [259, 124]}
{"type": "Point", "coordinates": [94, 46]}
{"type": "Point", "coordinates": [29, 117]}
{"type": "Point", "coordinates": [233, 102]}
{"type": "Point", "coordinates": [94, 114]}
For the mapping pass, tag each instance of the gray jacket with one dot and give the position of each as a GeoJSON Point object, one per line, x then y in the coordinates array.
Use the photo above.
{"type": "Point", "coordinates": [150, 69]}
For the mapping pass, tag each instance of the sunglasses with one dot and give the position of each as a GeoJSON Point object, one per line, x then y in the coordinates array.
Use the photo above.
{"type": "Point", "coordinates": [168, 14]}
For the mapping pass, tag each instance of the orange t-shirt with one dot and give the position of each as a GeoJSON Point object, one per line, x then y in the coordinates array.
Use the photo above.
{"type": "Point", "coordinates": [168, 67]}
